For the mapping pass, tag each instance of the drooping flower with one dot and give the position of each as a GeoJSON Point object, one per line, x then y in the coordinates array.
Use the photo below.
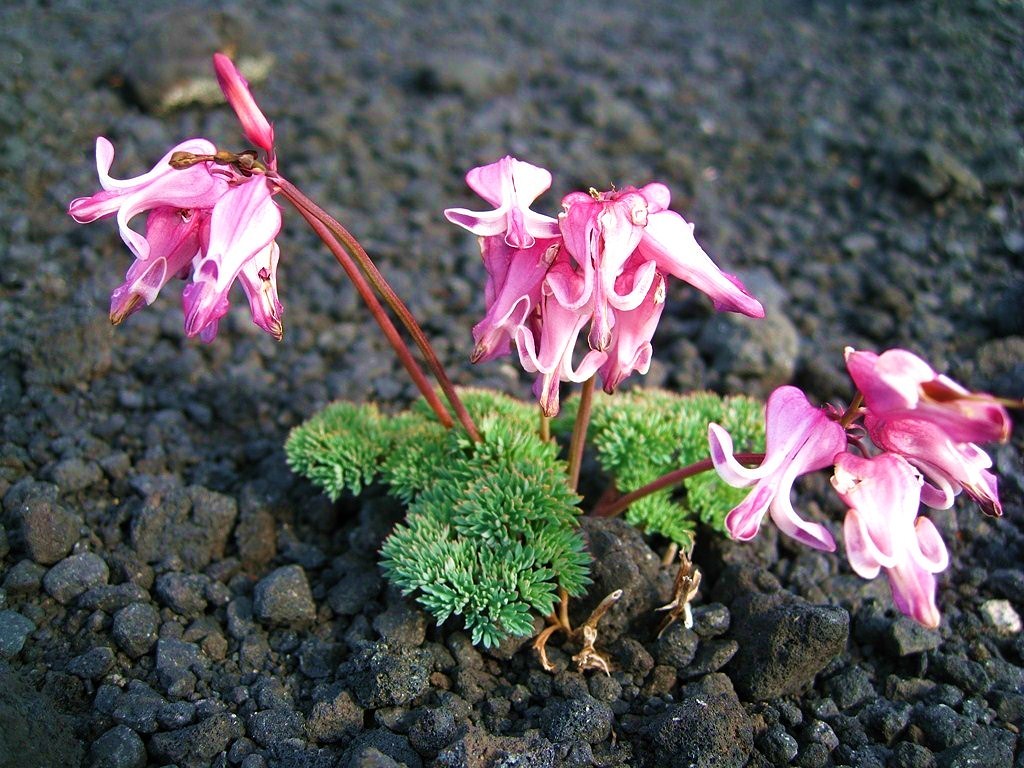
{"type": "Point", "coordinates": [631, 348]}
{"type": "Point", "coordinates": [883, 531]}
{"type": "Point", "coordinates": [513, 290]}
{"type": "Point", "coordinates": [244, 222]}
{"type": "Point", "coordinates": [546, 342]}
{"type": "Point", "coordinates": [511, 186]}
{"type": "Point", "coordinates": [206, 219]}
{"type": "Point", "coordinates": [899, 384]}
{"type": "Point", "coordinates": [799, 439]}
{"type": "Point", "coordinates": [933, 422]}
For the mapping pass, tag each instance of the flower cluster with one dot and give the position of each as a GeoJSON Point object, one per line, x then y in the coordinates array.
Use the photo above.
{"type": "Point", "coordinates": [210, 220]}
{"type": "Point", "coordinates": [602, 263]}
{"type": "Point", "coordinates": [924, 429]}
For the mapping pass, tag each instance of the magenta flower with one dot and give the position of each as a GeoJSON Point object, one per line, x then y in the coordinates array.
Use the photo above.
{"type": "Point", "coordinates": [933, 422]}
{"type": "Point", "coordinates": [511, 186]}
{"type": "Point", "coordinates": [601, 231]}
{"type": "Point", "coordinates": [799, 439]}
{"type": "Point", "coordinates": [883, 531]}
{"type": "Point", "coordinates": [631, 348]}
{"type": "Point", "coordinates": [512, 292]}
{"type": "Point", "coordinates": [211, 220]}
{"type": "Point", "coordinates": [546, 344]}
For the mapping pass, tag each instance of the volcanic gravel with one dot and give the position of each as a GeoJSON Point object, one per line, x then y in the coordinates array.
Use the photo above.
{"type": "Point", "coordinates": [170, 594]}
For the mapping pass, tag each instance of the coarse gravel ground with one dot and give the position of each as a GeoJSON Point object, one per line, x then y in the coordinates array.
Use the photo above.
{"type": "Point", "coordinates": [171, 595]}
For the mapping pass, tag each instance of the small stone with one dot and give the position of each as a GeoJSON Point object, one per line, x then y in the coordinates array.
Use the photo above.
{"type": "Point", "coordinates": [906, 637]}
{"type": "Point", "coordinates": [46, 529]}
{"type": "Point", "coordinates": [783, 645]}
{"type": "Point", "coordinates": [111, 597]}
{"type": "Point", "coordinates": [24, 578]}
{"type": "Point", "coordinates": [75, 474]}
{"type": "Point", "coordinates": [135, 628]}
{"type": "Point", "coordinates": [283, 598]}
{"type": "Point", "coordinates": [433, 730]}
{"type": "Point", "coordinates": [175, 714]}
{"type": "Point", "coordinates": [778, 745]}
{"type": "Point", "coordinates": [272, 726]}
{"type": "Point", "coordinates": [850, 687]}
{"type": "Point", "coordinates": [120, 747]}
{"type": "Point", "coordinates": [137, 707]}
{"type": "Point", "coordinates": [709, 727]}
{"type": "Point", "coordinates": [906, 754]}
{"type": "Point", "coordinates": [381, 676]}
{"type": "Point", "coordinates": [572, 720]}
{"type": "Point", "coordinates": [183, 593]}
{"type": "Point", "coordinates": [401, 624]}
{"type": "Point", "coordinates": [93, 664]}
{"type": "Point", "coordinates": [988, 751]}
{"type": "Point", "coordinates": [74, 575]}
{"type": "Point", "coordinates": [195, 746]}
{"type": "Point", "coordinates": [14, 631]}
{"type": "Point", "coordinates": [336, 719]}
{"type": "Point", "coordinates": [174, 662]}
{"type": "Point", "coordinates": [1000, 614]}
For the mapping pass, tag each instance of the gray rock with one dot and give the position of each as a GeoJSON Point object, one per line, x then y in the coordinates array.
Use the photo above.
{"type": "Point", "coordinates": [283, 598]}
{"type": "Point", "coordinates": [120, 747]}
{"type": "Point", "coordinates": [135, 628]}
{"type": "Point", "coordinates": [906, 637]}
{"type": "Point", "coordinates": [174, 662]}
{"type": "Point", "coordinates": [710, 728]}
{"type": "Point", "coordinates": [193, 523]}
{"type": "Point", "coordinates": [46, 529]}
{"type": "Point", "coordinates": [381, 676]}
{"type": "Point", "coordinates": [195, 746]}
{"type": "Point", "coordinates": [272, 726]}
{"type": "Point", "coordinates": [783, 644]}
{"type": "Point", "coordinates": [585, 719]}
{"type": "Point", "coordinates": [14, 631]}
{"type": "Point", "coordinates": [93, 664]}
{"type": "Point", "coordinates": [111, 597]}
{"type": "Point", "coordinates": [334, 719]}
{"type": "Point", "coordinates": [136, 707]}
{"type": "Point", "coordinates": [24, 578]}
{"type": "Point", "coordinates": [75, 474]}
{"type": "Point", "coordinates": [183, 593]}
{"type": "Point", "coordinates": [74, 575]}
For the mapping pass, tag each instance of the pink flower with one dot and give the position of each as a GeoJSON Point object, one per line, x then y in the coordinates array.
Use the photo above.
{"type": "Point", "coordinates": [243, 224]}
{"type": "Point", "coordinates": [546, 343]}
{"type": "Point", "coordinates": [899, 384]}
{"type": "Point", "coordinates": [631, 348]}
{"type": "Point", "coordinates": [883, 531]}
{"type": "Point", "coordinates": [800, 439]}
{"type": "Point", "coordinates": [206, 219]}
{"type": "Point", "coordinates": [933, 422]}
{"type": "Point", "coordinates": [511, 186]}
{"type": "Point", "coordinates": [601, 231]}
{"type": "Point", "coordinates": [513, 291]}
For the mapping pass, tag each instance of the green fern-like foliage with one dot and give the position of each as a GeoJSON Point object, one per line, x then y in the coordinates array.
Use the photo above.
{"type": "Point", "coordinates": [491, 532]}
{"type": "Point", "coordinates": [643, 434]}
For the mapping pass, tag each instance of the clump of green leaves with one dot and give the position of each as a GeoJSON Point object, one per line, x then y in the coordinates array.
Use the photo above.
{"type": "Point", "coordinates": [492, 527]}
{"type": "Point", "coordinates": [491, 532]}
{"type": "Point", "coordinates": [641, 435]}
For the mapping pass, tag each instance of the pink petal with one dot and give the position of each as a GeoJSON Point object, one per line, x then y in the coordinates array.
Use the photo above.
{"type": "Point", "coordinates": [255, 125]}
{"type": "Point", "coordinates": [668, 240]}
{"type": "Point", "coordinates": [259, 281]}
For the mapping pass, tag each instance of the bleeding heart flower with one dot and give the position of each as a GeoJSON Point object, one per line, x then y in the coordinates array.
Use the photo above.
{"type": "Point", "coordinates": [883, 531]}
{"type": "Point", "coordinates": [799, 439]}
{"type": "Point", "coordinates": [933, 422]}
{"type": "Point", "coordinates": [511, 186]}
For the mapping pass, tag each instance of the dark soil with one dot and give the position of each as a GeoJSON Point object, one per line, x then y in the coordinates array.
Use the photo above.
{"type": "Point", "coordinates": [172, 595]}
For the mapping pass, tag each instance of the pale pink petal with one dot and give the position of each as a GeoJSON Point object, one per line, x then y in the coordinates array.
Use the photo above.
{"type": "Point", "coordinates": [861, 553]}
{"type": "Point", "coordinates": [259, 281]}
{"type": "Point", "coordinates": [668, 240]}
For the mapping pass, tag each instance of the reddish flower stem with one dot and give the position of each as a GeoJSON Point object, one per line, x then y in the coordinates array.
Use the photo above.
{"type": "Point", "coordinates": [374, 305]}
{"type": "Point", "coordinates": [579, 431]}
{"type": "Point", "coordinates": [376, 279]}
{"type": "Point", "coordinates": [611, 509]}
